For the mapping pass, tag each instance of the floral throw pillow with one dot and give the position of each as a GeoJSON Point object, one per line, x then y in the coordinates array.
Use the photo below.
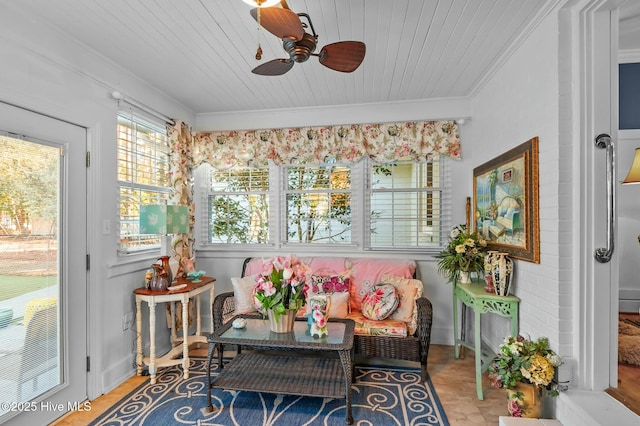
{"type": "Point", "coordinates": [337, 286]}
{"type": "Point", "coordinates": [330, 283]}
{"type": "Point", "coordinates": [380, 302]}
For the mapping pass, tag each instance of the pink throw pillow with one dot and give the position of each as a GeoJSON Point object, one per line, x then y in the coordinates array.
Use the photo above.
{"type": "Point", "coordinates": [366, 273]}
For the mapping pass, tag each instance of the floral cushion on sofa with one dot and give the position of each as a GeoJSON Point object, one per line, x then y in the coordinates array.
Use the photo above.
{"type": "Point", "coordinates": [380, 302]}
{"type": "Point", "coordinates": [388, 327]}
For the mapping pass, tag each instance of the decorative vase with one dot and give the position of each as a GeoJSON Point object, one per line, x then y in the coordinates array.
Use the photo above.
{"type": "Point", "coordinates": [160, 279]}
{"type": "Point", "coordinates": [464, 277]}
{"type": "Point", "coordinates": [319, 315]}
{"type": "Point", "coordinates": [525, 401]}
{"type": "Point", "coordinates": [282, 323]}
{"type": "Point", "coordinates": [166, 267]}
{"type": "Point", "coordinates": [502, 274]}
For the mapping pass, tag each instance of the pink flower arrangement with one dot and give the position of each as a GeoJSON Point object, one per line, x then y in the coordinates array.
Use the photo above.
{"type": "Point", "coordinates": [282, 285]}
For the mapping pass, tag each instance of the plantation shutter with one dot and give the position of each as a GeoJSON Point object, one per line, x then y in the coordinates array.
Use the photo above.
{"type": "Point", "coordinates": [409, 205]}
{"type": "Point", "coordinates": [143, 166]}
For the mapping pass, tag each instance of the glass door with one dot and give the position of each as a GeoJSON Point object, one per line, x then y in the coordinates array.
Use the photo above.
{"type": "Point", "coordinates": [42, 267]}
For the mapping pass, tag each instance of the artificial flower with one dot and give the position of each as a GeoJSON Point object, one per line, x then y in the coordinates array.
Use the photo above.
{"type": "Point", "coordinates": [464, 252]}
{"type": "Point", "coordinates": [526, 361]}
{"type": "Point", "coordinates": [282, 285]}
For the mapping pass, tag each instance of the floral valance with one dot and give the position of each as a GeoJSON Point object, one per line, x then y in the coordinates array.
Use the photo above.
{"type": "Point", "coordinates": [385, 142]}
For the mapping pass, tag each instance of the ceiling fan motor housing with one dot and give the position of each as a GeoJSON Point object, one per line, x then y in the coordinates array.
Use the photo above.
{"type": "Point", "coordinates": [299, 51]}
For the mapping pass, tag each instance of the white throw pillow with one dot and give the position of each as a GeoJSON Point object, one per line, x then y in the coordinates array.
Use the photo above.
{"type": "Point", "coordinates": [408, 291]}
{"type": "Point", "coordinates": [243, 293]}
{"type": "Point", "coordinates": [339, 305]}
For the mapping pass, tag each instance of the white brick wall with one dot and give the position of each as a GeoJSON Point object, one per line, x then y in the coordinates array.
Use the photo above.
{"type": "Point", "coordinates": [519, 102]}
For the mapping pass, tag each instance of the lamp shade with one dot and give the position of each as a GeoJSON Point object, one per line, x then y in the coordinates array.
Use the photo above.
{"type": "Point", "coordinates": [634, 173]}
{"type": "Point", "coordinates": [163, 219]}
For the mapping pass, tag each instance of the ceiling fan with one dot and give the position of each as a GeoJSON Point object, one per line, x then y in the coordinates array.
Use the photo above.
{"type": "Point", "coordinates": [343, 56]}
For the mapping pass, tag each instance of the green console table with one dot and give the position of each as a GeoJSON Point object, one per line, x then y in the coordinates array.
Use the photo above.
{"type": "Point", "coordinates": [474, 296]}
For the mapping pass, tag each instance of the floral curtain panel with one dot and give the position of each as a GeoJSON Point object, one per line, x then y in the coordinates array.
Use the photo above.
{"type": "Point", "coordinates": [181, 178]}
{"type": "Point", "coordinates": [386, 142]}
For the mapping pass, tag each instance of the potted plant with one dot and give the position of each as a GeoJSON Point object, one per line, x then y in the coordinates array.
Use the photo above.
{"type": "Point", "coordinates": [463, 254]}
{"type": "Point", "coordinates": [281, 289]}
{"type": "Point", "coordinates": [527, 370]}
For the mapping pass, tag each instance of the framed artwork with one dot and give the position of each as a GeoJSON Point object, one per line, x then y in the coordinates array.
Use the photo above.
{"type": "Point", "coordinates": [506, 210]}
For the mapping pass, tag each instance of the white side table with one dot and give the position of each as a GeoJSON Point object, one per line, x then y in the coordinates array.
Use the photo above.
{"type": "Point", "coordinates": [183, 295]}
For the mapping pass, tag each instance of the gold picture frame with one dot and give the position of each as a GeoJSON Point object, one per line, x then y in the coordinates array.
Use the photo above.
{"type": "Point", "coordinates": [506, 202]}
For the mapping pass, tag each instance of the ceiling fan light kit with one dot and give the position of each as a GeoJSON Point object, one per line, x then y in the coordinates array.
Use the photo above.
{"type": "Point", "coordinates": [261, 3]}
{"type": "Point", "coordinates": [342, 56]}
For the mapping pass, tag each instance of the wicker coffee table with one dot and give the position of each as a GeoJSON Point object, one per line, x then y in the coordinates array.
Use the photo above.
{"type": "Point", "coordinates": [318, 367]}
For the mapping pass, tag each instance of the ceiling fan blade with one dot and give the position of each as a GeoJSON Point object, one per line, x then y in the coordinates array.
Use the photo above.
{"type": "Point", "coordinates": [343, 56]}
{"type": "Point", "coordinates": [274, 67]}
{"type": "Point", "coordinates": [283, 23]}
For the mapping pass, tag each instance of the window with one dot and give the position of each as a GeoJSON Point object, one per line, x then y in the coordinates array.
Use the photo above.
{"type": "Point", "coordinates": [318, 204]}
{"type": "Point", "coordinates": [238, 204]}
{"type": "Point", "coordinates": [323, 206]}
{"type": "Point", "coordinates": [406, 205]}
{"type": "Point", "coordinates": [143, 166]}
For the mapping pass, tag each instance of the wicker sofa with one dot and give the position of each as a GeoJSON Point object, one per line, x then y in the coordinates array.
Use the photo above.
{"type": "Point", "coordinates": [364, 273]}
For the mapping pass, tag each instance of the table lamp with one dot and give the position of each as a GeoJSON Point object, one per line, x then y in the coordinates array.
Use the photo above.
{"type": "Point", "coordinates": [634, 172]}
{"type": "Point", "coordinates": [164, 220]}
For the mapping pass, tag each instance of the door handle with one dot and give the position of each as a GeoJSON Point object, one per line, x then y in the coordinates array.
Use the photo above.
{"type": "Point", "coordinates": [603, 255]}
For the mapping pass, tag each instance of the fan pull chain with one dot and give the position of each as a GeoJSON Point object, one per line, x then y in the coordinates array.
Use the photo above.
{"type": "Point", "coordinates": [259, 51]}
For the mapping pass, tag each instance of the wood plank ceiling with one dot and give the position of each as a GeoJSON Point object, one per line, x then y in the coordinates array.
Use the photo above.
{"type": "Point", "coordinates": [201, 52]}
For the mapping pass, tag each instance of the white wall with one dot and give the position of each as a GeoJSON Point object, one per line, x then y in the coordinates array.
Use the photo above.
{"type": "Point", "coordinates": [50, 74]}
{"type": "Point", "coordinates": [519, 102]}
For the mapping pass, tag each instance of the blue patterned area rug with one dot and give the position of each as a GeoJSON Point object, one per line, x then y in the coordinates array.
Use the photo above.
{"type": "Point", "coordinates": [380, 396]}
